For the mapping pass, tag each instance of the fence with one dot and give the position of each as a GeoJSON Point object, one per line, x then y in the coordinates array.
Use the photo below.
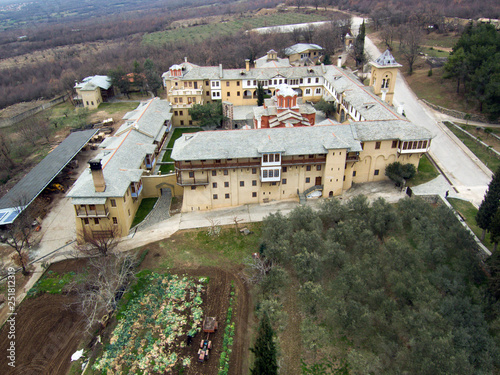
{"type": "Point", "coordinates": [30, 112]}
{"type": "Point", "coordinates": [457, 114]}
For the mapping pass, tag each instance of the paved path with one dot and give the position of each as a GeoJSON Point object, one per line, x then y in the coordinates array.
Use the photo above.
{"type": "Point", "coordinates": [160, 211]}
{"type": "Point", "coordinates": [467, 174]}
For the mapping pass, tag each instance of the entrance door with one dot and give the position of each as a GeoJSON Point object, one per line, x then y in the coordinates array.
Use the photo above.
{"type": "Point", "coordinates": [318, 181]}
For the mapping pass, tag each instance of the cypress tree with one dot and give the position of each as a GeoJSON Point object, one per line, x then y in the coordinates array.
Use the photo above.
{"type": "Point", "coordinates": [359, 45]}
{"type": "Point", "coordinates": [265, 350]}
{"type": "Point", "coordinates": [489, 205]}
{"type": "Point", "coordinates": [260, 94]}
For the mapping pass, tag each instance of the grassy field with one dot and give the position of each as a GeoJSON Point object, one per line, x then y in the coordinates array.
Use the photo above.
{"type": "Point", "coordinates": [195, 248]}
{"type": "Point", "coordinates": [144, 209]}
{"type": "Point", "coordinates": [112, 108]}
{"type": "Point", "coordinates": [483, 153]}
{"type": "Point", "coordinates": [200, 32]}
{"type": "Point", "coordinates": [468, 212]}
{"type": "Point", "coordinates": [426, 172]}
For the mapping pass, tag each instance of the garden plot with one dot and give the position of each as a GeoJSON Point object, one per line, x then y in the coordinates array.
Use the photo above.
{"type": "Point", "coordinates": [150, 336]}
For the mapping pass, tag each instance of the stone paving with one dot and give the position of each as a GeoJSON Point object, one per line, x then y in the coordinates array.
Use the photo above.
{"type": "Point", "coordinates": [160, 212]}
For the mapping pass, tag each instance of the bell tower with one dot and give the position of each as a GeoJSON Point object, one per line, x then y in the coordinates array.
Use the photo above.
{"type": "Point", "coordinates": [383, 76]}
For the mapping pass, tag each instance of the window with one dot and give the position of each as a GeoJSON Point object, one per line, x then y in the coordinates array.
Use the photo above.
{"type": "Point", "coordinates": [129, 212]}
{"type": "Point", "coordinates": [377, 145]}
{"type": "Point", "coordinates": [207, 93]}
{"type": "Point", "coordinates": [311, 156]}
{"type": "Point", "coordinates": [254, 182]}
{"type": "Point", "coordinates": [317, 79]}
{"type": "Point", "coordinates": [193, 187]}
{"type": "Point", "coordinates": [215, 196]}
{"type": "Point", "coordinates": [285, 169]}
{"type": "Point", "coordinates": [226, 196]}
{"type": "Point", "coordinates": [191, 174]}
{"type": "Point", "coordinates": [394, 144]}
{"type": "Point", "coordinates": [301, 80]}
{"type": "Point", "coordinates": [180, 101]}
{"type": "Point", "coordinates": [362, 145]}
{"type": "Point", "coordinates": [283, 181]}
{"type": "Point", "coordinates": [308, 180]}
{"type": "Point", "coordinates": [227, 84]}
{"type": "Point", "coordinates": [214, 185]}
{"type": "Point", "coordinates": [254, 170]}
{"type": "Point", "coordinates": [92, 102]}
{"type": "Point", "coordinates": [214, 173]}
{"type": "Point", "coordinates": [86, 221]}
{"type": "Point", "coordinates": [318, 167]}
{"type": "Point", "coordinates": [181, 113]}
{"type": "Point", "coordinates": [242, 183]}
{"type": "Point", "coordinates": [308, 168]}
{"type": "Point", "coordinates": [353, 173]}
{"type": "Point", "coordinates": [309, 80]}
{"type": "Point", "coordinates": [254, 194]}
{"type": "Point", "coordinates": [113, 202]}
{"type": "Point", "coordinates": [206, 83]}
{"type": "Point", "coordinates": [237, 93]}
{"type": "Point", "coordinates": [226, 172]}
{"type": "Point", "coordinates": [318, 91]}
{"type": "Point", "coordinates": [226, 184]}
{"type": "Point", "coordinates": [264, 159]}
{"type": "Point", "coordinates": [190, 122]}
{"type": "Point", "coordinates": [308, 91]}
{"type": "Point", "coordinates": [376, 172]}
{"type": "Point", "coordinates": [115, 221]}
{"type": "Point", "coordinates": [228, 93]}
{"type": "Point", "coordinates": [264, 173]}
{"type": "Point", "coordinates": [271, 173]}
{"type": "Point", "coordinates": [96, 221]}
{"type": "Point", "coordinates": [277, 157]}
{"type": "Point", "coordinates": [176, 113]}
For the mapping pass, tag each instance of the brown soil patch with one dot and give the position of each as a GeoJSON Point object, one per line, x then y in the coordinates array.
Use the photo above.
{"type": "Point", "coordinates": [47, 333]}
{"type": "Point", "coordinates": [216, 303]}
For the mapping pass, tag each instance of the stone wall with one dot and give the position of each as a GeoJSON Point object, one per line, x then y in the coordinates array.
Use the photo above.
{"type": "Point", "coordinates": [456, 114]}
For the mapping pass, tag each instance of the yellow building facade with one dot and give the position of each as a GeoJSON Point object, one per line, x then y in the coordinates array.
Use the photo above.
{"type": "Point", "coordinates": [283, 163]}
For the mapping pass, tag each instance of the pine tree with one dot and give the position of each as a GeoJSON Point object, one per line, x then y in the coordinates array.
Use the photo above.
{"type": "Point", "coordinates": [265, 350]}
{"type": "Point", "coordinates": [495, 230]}
{"type": "Point", "coordinates": [326, 60]}
{"type": "Point", "coordinates": [489, 205]}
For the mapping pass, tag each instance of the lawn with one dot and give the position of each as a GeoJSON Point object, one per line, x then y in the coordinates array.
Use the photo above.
{"type": "Point", "coordinates": [468, 212]}
{"type": "Point", "coordinates": [426, 172]}
{"type": "Point", "coordinates": [196, 248]}
{"type": "Point", "coordinates": [117, 107]}
{"type": "Point", "coordinates": [167, 168]}
{"type": "Point", "coordinates": [144, 209]}
{"type": "Point", "coordinates": [200, 32]}
{"type": "Point", "coordinates": [483, 153]}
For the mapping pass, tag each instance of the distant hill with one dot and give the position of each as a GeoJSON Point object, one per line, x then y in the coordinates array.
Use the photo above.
{"type": "Point", "coordinates": [451, 8]}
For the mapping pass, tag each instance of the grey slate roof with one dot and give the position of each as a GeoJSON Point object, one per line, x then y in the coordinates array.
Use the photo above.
{"type": "Point", "coordinates": [252, 143]}
{"type": "Point", "coordinates": [123, 154]}
{"type": "Point", "coordinates": [90, 83]}
{"type": "Point", "coordinates": [383, 130]}
{"type": "Point", "coordinates": [26, 190]}
{"type": "Point", "coordinates": [301, 47]}
{"type": "Point", "coordinates": [386, 59]}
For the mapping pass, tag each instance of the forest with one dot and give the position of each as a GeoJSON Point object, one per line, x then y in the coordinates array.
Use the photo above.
{"type": "Point", "coordinates": [385, 289]}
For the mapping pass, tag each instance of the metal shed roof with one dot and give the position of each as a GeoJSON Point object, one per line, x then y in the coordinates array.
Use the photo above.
{"type": "Point", "coordinates": [31, 185]}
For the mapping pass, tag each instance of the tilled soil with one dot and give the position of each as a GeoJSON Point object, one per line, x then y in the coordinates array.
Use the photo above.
{"type": "Point", "coordinates": [48, 332]}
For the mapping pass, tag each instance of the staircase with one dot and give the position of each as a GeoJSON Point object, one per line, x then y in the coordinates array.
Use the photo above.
{"type": "Point", "coordinates": [303, 195]}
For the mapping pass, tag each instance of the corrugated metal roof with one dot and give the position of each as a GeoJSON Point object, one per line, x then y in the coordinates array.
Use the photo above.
{"type": "Point", "coordinates": [31, 185]}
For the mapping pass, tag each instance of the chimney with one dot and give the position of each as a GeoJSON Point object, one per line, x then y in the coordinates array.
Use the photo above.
{"type": "Point", "coordinates": [97, 175]}
{"type": "Point", "coordinates": [339, 62]}
{"type": "Point", "coordinates": [185, 59]}
{"type": "Point", "coordinates": [221, 71]}
{"type": "Point", "coordinates": [247, 64]}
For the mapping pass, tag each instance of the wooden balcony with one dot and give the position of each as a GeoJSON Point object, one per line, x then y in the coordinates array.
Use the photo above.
{"type": "Point", "coordinates": [192, 181]}
{"type": "Point", "coordinates": [303, 161]}
{"type": "Point", "coordinates": [210, 164]}
{"type": "Point", "coordinates": [87, 213]}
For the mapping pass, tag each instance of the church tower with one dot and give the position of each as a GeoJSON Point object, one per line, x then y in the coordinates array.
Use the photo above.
{"type": "Point", "coordinates": [383, 76]}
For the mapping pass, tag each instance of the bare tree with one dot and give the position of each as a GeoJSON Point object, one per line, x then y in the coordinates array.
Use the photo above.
{"type": "Point", "coordinates": [18, 234]}
{"type": "Point", "coordinates": [259, 266]}
{"type": "Point", "coordinates": [99, 243]}
{"type": "Point", "coordinates": [236, 221]}
{"type": "Point", "coordinates": [214, 228]}
{"type": "Point", "coordinates": [100, 291]}
{"type": "Point", "coordinates": [387, 34]}
{"type": "Point", "coordinates": [410, 45]}
{"type": "Point", "coordinates": [5, 150]}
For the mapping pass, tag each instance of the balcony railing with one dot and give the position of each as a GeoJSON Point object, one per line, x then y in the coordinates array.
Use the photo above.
{"type": "Point", "coordinates": [192, 181]}
{"type": "Point", "coordinates": [411, 151]}
{"type": "Point", "coordinates": [305, 161]}
{"type": "Point", "coordinates": [185, 91]}
{"type": "Point", "coordinates": [352, 158]}
{"type": "Point", "coordinates": [135, 194]}
{"type": "Point", "coordinates": [80, 212]}
{"type": "Point", "coordinates": [211, 165]}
